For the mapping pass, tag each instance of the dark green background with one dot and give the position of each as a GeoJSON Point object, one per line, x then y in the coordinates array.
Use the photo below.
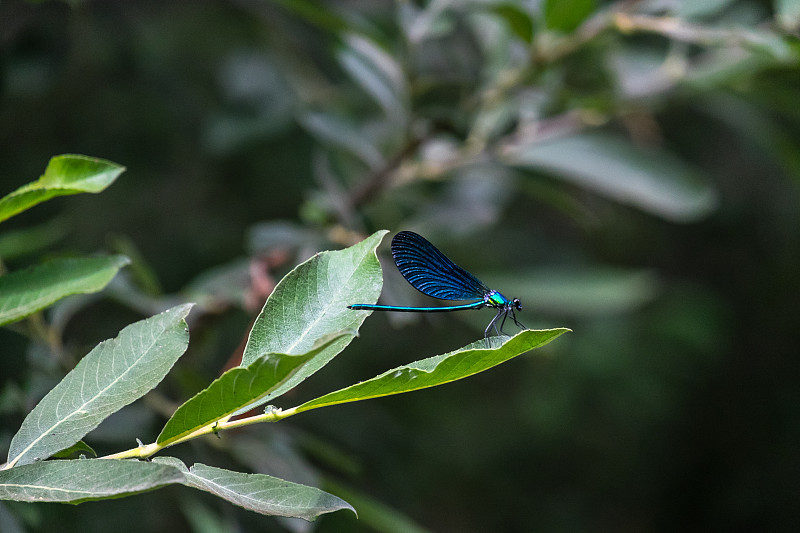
{"type": "Point", "coordinates": [674, 403]}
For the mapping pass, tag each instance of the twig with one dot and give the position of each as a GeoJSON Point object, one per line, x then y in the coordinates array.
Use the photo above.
{"type": "Point", "coordinates": [383, 177]}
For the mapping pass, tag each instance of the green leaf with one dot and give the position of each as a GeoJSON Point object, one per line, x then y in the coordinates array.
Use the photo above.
{"type": "Point", "coordinates": [115, 373]}
{"type": "Point", "coordinates": [437, 370]}
{"type": "Point", "coordinates": [141, 273]}
{"type": "Point", "coordinates": [259, 492]}
{"type": "Point", "coordinates": [236, 389]}
{"type": "Point", "coordinates": [316, 13]}
{"type": "Point", "coordinates": [377, 72]}
{"type": "Point", "coordinates": [64, 175]}
{"type": "Point", "coordinates": [75, 451]}
{"type": "Point", "coordinates": [650, 179]}
{"type": "Point", "coordinates": [593, 290]}
{"type": "Point", "coordinates": [699, 10]}
{"type": "Point", "coordinates": [27, 291]}
{"type": "Point", "coordinates": [338, 132]}
{"type": "Point", "coordinates": [311, 302]}
{"type": "Point", "coordinates": [26, 241]}
{"type": "Point", "coordinates": [205, 517]}
{"type": "Point", "coordinates": [517, 18]}
{"type": "Point", "coordinates": [566, 15]}
{"type": "Point", "coordinates": [80, 480]}
{"type": "Point", "coordinates": [375, 514]}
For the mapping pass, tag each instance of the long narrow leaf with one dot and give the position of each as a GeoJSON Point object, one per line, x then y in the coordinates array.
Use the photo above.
{"type": "Point", "coordinates": [377, 73]}
{"type": "Point", "coordinates": [32, 239]}
{"type": "Point", "coordinates": [437, 370]}
{"type": "Point", "coordinates": [115, 373]}
{"type": "Point", "coordinates": [25, 292]}
{"type": "Point", "coordinates": [311, 302]}
{"type": "Point", "coordinates": [259, 492]}
{"type": "Point", "coordinates": [80, 480]}
{"type": "Point", "coordinates": [236, 389]}
{"type": "Point", "coordinates": [649, 179]}
{"type": "Point", "coordinates": [374, 514]}
{"type": "Point", "coordinates": [64, 175]}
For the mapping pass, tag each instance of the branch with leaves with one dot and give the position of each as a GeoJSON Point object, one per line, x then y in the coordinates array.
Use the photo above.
{"type": "Point", "coordinates": [303, 325]}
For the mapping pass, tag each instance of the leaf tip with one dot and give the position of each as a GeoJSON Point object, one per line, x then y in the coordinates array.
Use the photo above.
{"type": "Point", "coordinates": [182, 310]}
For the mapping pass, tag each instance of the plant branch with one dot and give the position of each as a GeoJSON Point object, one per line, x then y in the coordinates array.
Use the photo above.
{"type": "Point", "coordinates": [144, 451]}
{"type": "Point", "coordinates": [380, 179]}
{"type": "Point", "coordinates": [679, 30]}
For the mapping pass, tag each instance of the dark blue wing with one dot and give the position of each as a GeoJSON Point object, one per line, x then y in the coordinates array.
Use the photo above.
{"type": "Point", "coordinates": [430, 272]}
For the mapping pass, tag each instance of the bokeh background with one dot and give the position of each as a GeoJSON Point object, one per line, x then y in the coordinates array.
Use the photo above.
{"type": "Point", "coordinates": [629, 169]}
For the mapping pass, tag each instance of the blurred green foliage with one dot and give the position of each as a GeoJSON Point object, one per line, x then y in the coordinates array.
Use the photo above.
{"type": "Point", "coordinates": [628, 169]}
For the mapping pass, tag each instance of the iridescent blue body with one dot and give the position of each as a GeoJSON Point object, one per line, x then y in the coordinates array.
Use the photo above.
{"type": "Point", "coordinates": [429, 271]}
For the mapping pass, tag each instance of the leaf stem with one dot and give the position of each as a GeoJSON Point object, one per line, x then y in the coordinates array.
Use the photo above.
{"type": "Point", "coordinates": [148, 450]}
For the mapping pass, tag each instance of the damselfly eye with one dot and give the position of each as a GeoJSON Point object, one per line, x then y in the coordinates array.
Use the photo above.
{"type": "Point", "coordinates": [517, 304]}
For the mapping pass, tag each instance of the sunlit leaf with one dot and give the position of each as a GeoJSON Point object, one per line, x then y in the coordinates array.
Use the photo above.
{"type": "Point", "coordinates": [115, 373]}
{"type": "Point", "coordinates": [311, 302]}
{"type": "Point", "coordinates": [24, 292]}
{"type": "Point", "coordinates": [80, 480]}
{"type": "Point", "coordinates": [259, 492]}
{"type": "Point", "coordinates": [650, 179]}
{"type": "Point", "coordinates": [64, 175]}
{"type": "Point", "coordinates": [439, 369]}
{"type": "Point", "coordinates": [237, 388]}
